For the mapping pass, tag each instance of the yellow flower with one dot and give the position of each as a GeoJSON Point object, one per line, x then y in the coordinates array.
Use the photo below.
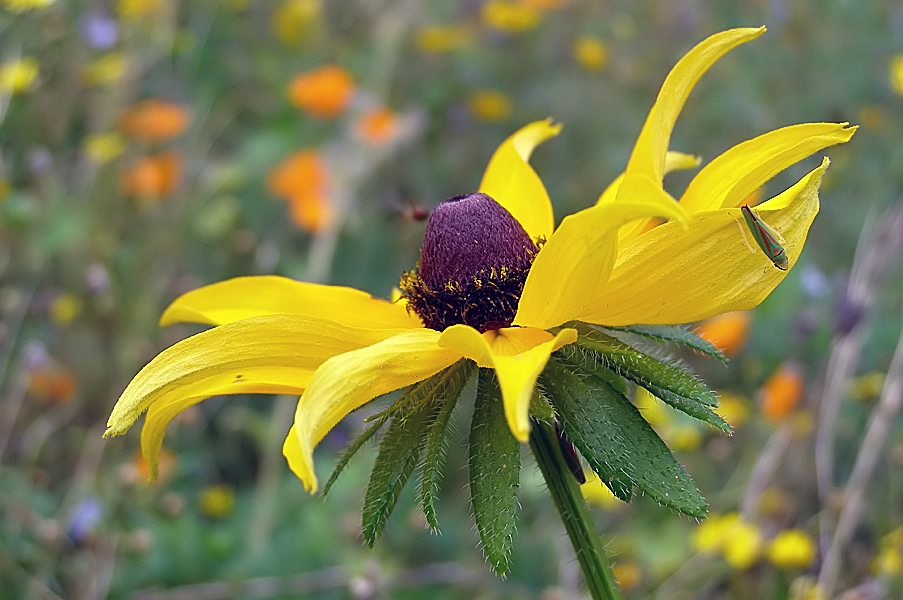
{"type": "Point", "coordinates": [20, 6]}
{"type": "Point", "coordinates": [509, 17]}
{"type": "Point", "coordinates": [489, 106]}
{"type": "Point", "coordinates": [896, 74]}
{"type": "Point", "coordinates": [104, 147]}
{"type": "Point", "coordinates": [339, 348]}
{"type": "Point", "coordinates": [16, 76]}
{"type": "Point", "coordinates": [591, 53]}
{"type": "Point", "coordinates": [742, 545]}
{"type": "Point", "coordinates": [436, 39]}
{"type": "Point", "coordinates": [791, 549]}
{"type": "Point", "coordinates": [732, 408]}
{"type": "Point", "coordinates": [106, 70]}
{"type": "Point", "coordinates": [295, 21]}
{"type": "Point", "coordinates": [217, 501]}
{"type": "Point", "coordinates": [708, 537]}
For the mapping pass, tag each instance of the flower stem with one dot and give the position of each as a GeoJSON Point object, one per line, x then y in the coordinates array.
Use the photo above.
{"type": "Point", "coordinates": [576, 518]}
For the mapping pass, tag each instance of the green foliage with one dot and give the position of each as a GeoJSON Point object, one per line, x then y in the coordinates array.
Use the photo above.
{"type": "Point", "coordinates": [671, 333]}
{"type": "Point", "coordinates": [670, 383]}
{"type": "Point", "coordinates": [494, 473]}
{"type": "Point", "coordinates": [614, 438]}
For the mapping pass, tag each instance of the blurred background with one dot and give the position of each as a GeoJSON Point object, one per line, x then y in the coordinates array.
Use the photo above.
{"type": "Point", "coordinates": [148, 147]}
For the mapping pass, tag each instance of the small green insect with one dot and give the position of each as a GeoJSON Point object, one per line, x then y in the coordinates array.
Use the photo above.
{"type": "Point", "coordinates": [766, 238]}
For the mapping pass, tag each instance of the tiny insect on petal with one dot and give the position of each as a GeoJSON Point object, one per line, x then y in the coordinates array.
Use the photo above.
{"type": "Point", "coordinates": [766, 238]}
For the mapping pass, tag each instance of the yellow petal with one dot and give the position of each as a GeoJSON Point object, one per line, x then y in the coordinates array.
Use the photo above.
{"type": "Point", "coordinates": [649, 153]}
{"type": "Point", "coordinates": [670, 275]}
{"type": "Point", "coordinates": [244, 297]}
{"type": "Point", "coordinates": [729, 179]}
{"type": "Point", "coordinates": [577, 260]}
{"type": "Point", "coordinates": [267, 354]}
{"type": "Point", "coordinates": [518, 355]}
{"type": "Point", "coordinates": [674, 161]}
{"type": "Point", "coordinates": [347, 381]}
{"type": "Point", "coordinates": [513, 183]}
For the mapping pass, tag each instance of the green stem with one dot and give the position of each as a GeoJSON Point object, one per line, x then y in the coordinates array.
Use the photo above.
{"type": "Point", "coordinates": [576, 518]}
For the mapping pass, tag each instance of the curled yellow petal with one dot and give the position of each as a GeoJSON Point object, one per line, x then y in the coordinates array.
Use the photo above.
{"type": "Point", "coordinates": [578, 258]}
{"type": "Point", "coordinates": [674, 161]}
{"type": "Point", "coordinates": [266, 354]}
{"type": "Point", "coordinates": [348, 381]}
{"type": "Point", "coordinates": [511, 181]}
{"type": "Point", "coordinates": [243, 297]}
{"type": "Point", "coordinates": [674, 275]}
{"type": "Point", "coordinates": [729, 179]}
{"type": "Point", "coordinates": [518, 355]}
{"type": "Point", "coordinates": [648, 155]}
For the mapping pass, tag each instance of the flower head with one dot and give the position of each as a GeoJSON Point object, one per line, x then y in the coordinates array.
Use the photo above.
{"type": "Point", "coordinates": [154, 120]}
{"type": "Point", "coordinates": [499, 287]}
{"type": "Point", "coordinates": [324, 92]}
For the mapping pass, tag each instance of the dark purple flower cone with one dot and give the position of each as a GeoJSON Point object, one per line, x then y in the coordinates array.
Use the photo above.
{"type": "Point", "coordinates": [473, 265]}
{"type": "Point", "coordinates": [470, 235]}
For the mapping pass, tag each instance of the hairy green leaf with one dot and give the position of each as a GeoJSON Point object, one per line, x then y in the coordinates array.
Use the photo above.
{"type": "Point", "coordinates": [413, 397]}
{"type": "Point", "coordinates": [670, 383]}
{"type": "Point", "coordinates": [615, 439]}
{"type": "Point", "coordinates": [398, 456]}
{"type": "Point", "coordinates": [676, 334]}
{"type": "Point", "coordinates": [494, 472]}
{"type": "Point", "coordinates": [435, 442]}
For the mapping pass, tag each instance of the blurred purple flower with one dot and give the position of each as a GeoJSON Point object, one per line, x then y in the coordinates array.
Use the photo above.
{"type": "Point", "coordinates": [83, 518]}
{"type": "Point", "coordinates": [814, 282]}
{"type": "Point", "coordinates": [99, 29]}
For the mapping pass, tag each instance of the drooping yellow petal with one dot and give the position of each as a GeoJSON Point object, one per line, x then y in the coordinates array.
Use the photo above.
{"type": "Point", "coordinates": [265, 354]}
{"type": "Point", "coordinates": [518, 355]}
{"type": "Point", "coordinates": [578, 258]}
{"type": "Point", "coordinates": [513, 183]}
{"type": "Point", "coordinates": [729, 179]}
{"type": "Point", "coordinates": [670, 275]}
{"type": "Point", "coordinates": [674, 161]}
{"type": "Point", "coordinates": [648, 155]}
{"type": "Point", "coordinates": [348, 381]}
{"type": "Point", "coordinates": [243, 297]}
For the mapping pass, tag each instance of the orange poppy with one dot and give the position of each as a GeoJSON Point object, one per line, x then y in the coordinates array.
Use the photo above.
{"type": "Point", "coordinates": [323, 92]}
{"type": "Point", "coordinates": [302, 180]}
{"type": "Point", "coordinates": [781, 394]}
{"type": "Point", "coordinates": [154, 120]}
{"type": "Point", "coordinates": [153, 177]}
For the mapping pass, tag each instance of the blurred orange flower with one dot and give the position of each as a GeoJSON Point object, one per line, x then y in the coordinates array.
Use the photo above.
{"type": "Point", "coordinates": [154, 120]}
{"type": "Point", "coordinates": [728, 332]}
{"type": "Point", "coordinates": [781, 394]}
{"type": "Point", "coordinates": [378, 126]}
{"type": "Point", "coordinates": [153, 177]}
{"type": "Point", "coordinates": [52, 384]}
{"type": "Point", "coordinates": [302, 180]}
{"type": "Point", "coordinates": [323, 92]}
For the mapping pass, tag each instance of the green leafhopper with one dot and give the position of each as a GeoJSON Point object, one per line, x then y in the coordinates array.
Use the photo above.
{"type": "Point", "coordinates": [766, 238]}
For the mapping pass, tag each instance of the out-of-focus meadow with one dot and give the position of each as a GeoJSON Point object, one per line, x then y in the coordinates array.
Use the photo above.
{"type": "Point", "coordinates": [148, 147]}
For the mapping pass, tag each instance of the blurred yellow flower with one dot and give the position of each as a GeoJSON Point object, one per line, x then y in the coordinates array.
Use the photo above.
{"type": "Point", "coordinates": [105, 70]}
{"type": "Point", "coordinates": [138, 9]}
{"type": "Point", "coordinates": [728, 332]}
{"type": "Point", "coordinates": [791, 549]}
{"type": "Point", "coordinates": [896, 74]}
{"type": "Point", "coordinates": [103, 147]}
{"type": "Point", "coordinates": [591, 53]}
{"type": "Point", "coordinates": [154, 120]}
{"type": "Point", "coordinates": [489, 105]}
{"type": "Point", "coordinates": [782, 392]}
{"type": "Point", "coordinates": [867, 386]}
{"type": "Point", "coordinates": [597, 493]}
{"type": "Point", "coordinates": [889, 561]}
{"type": "Point", "coordinates": [19, 6]}
{"type": "Point", "coordinates": [4, 188]}
{"type": "Point", "coordinates": [217, 501]}
{"type": "Point", "coordinates": [742, 545]}
{"type": "Point", "coordinates": [65, 308]}
{"type": "Point", "coordinates": [708, 537]}
{"type": "Point", "coordinates": [17, 75]}
{"type": "Point", "coordinates": [297, 21]}
{"type": "Point", "coordinates": [544, 4]}
{"type": "Point", "coordinates": [732, 408]}
{"type": "Point", "coordinates": [302, 180]}
{"type": "Point", "coordinates": [436, 39]}
{"type": "Point", "coordinates": [324, 92]}
{"type": "Point", "coordinates": [508, 16]}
